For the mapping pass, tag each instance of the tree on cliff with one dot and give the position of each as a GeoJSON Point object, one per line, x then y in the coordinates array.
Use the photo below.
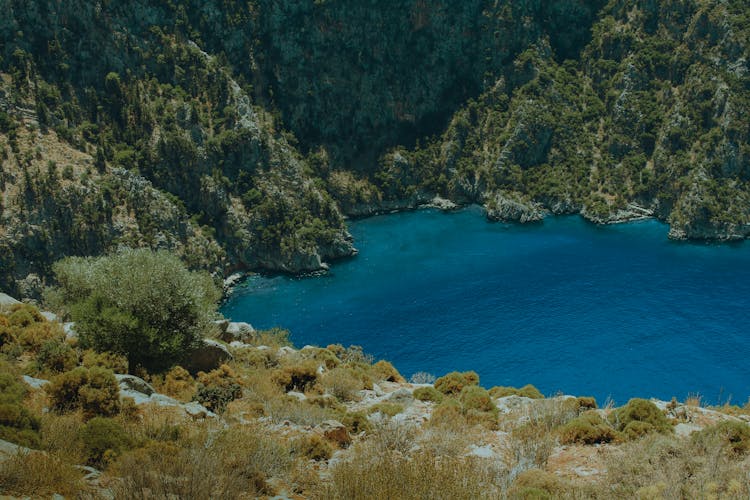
{"type": "Point", "coordinates": [145, 305]}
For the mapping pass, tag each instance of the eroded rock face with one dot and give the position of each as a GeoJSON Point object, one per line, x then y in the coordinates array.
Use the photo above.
{"type": "Point", "coordinates": [509, 208]}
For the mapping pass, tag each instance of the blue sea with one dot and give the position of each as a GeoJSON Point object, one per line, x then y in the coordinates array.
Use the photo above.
{"type": "Point", "coordinates": [613, 312]}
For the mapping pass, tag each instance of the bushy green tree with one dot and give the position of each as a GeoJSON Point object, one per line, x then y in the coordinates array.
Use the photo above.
{"type": "Point", "coordinates": [143, 304]}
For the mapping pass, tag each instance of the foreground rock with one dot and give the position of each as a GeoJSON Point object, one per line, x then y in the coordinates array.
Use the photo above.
{"type": "Point", "coordinates": [207, 357]}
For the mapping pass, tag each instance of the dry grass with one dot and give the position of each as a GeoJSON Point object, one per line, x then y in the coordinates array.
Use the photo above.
{"type": "Point", "coordinates": [211, 464]}
{"type": "Point", "coordinates": [384, 473]}
{"type": "Point", "coordinates": [39, 475]}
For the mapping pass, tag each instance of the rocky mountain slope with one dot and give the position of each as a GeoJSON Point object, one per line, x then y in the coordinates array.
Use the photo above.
{"type": "Point", "coordinates": [239, 134]}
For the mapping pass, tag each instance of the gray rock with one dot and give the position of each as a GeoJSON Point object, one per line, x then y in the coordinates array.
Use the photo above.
{"type": "Point", "coordinates": [238, 331]}
{"type": "Point", "coordinates": [401, 396]}
{"type": "Point", "coordinates": [510, 208]}
{"type": "Point", "coordinates": [69, 329]}
{"type": "Point", "coordinates": [207, 357]}
{"type": "Point", "coordinates": [35, 383]}
{"type": "Point", "coordinates": [138, 397]}
{"type": "Point", "coordinates": [8, 449]}
{"type": "Point", "coordinates": [133, 383]}
{"type": "Point", "coordinates": [297, 395]}
{"type": "Point", "coordinates": [197, 410]}
{"type": "Point", "coordinates": [49, 316]}
{"type": "Point", "coordinates": [7, 300]}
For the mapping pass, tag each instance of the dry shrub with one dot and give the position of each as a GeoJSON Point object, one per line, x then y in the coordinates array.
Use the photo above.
{"type": "Point", "coordinates": [389, 435]}
{"type": "Point", "coordinates": [428, 394]}
{"type": "Point", "coordinates": [536, 484]}
{"type": "Point", "coordinates": [39, 475]}
{"type": "Point", "coordinates": [217, 388]}
{"type": "Point", "coordinates": [94, 391]}
{"type": "Point", "coordinates": [454, 382]}
{"type": "Point", "coordinates": [298, 377]}
{"type": "Point", "coordinates": [56, 356]}
{"type": "Point", "coordinates": [342, 382]}
{"type": "Point", "coordinates": [589, 428]}
{"type": "Point", "coordinates": [422, 378]}
{"type": "Point", "coordinates": [255, 358]}
{"type": "Point", "coordinates": [383, 370]}
{"type": "Point", "coordinates": [176, 383]}
{"type": "Point", "coordinates": [389, 474]}
{"type": "Point", "coordinates": [229, 464]}
{"type": "Point", "coordinates": [528, 447]}
{"type": "Point", "coordinates": [732, 436]}
{"type": "Point", "coordinates": [356, 422]}
{"type": "Point", "coordinates": [441, 441]}
{"type": "Point", "coordinates": [638, 418]}
{"type": "Point", "coordinates": [274, 338]}
{"type": "Point", "coordinates": [282, 409]}
{"type": "Point", "coordinates": [527, 391]}
{"type": "Point", "coordinates": [676, 468]}
{"type": "Point", "coordinates": [60, 436]}
{"type": "Point", "coordinates": [110, 360]}
{"type": "Point", "coordinates": [387, 409]}
{"type": "Point", "coordinates": [311, 446]}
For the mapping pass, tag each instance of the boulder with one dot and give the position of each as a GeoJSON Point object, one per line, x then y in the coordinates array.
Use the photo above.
{"type": "Point", "coordinates": [133, 383]}
{"type": "Point", "coordinates": [240, 331]}
{"type": "Point", "coordinates": [49, 316]}
{"type": "Point", "coordinates": [35, 383]}
{"type": "Point", "coordinates": [207, 357]}
{"type": "Point", "coordinates": [401, 396]}
{"type": "Point", "coordinates": [8, 450]}
{"type": "Point", "coordinates": [7, 300]}
{"type": "Point", "coordinates": [334, 431]}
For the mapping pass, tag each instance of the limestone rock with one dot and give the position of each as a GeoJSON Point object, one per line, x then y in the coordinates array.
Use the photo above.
{"type": "Point", "coordinates": [35, 383]}
{"type": "Point", "coordinates": [510, 208]}
{"type": "Point", "coordinates": [240, 331]}
{"type": "Point", "coordinates": [133, 383]}
{"type": "Point", "coordinates": [401, 396]}
{"type": "Point", "coordinates": [7, 300]}
{"type": "Point", "coordinates": [207, 357]}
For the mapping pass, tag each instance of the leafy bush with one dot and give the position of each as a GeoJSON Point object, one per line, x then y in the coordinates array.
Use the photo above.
{"type": "Point", "coordinates": [473, 397]}
{"type": "Point", "coordinates": [17, 424]}
{"type": "Point", "coordinates": [110, 360]}
{"type": "Point", "coordinates": [104, 439]}
{"type": "Point", "coordinates": [589, 428]}
{"type": "Point", "coordinates": [218, 388]}
{"type": "Point", "coordinates": [142, 304]}
{"type": "Point", "coordinates": [428, 394]}
{"type": "Point", "coordinates": [649, 418]}
{"type": "Point", "coordinates": [57, 356]}
{"type": "Point", "coordinates": [454, 382]}
{"type": "Point", "coordinates": [93, 390]}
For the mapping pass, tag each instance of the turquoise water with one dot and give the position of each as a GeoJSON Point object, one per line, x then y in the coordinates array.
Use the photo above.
{"type": "Point", "coordinates": [617, 311]}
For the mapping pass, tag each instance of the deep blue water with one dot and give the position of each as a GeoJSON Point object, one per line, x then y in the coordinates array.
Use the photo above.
{"type": "Point", "coordinates": [617, 311]}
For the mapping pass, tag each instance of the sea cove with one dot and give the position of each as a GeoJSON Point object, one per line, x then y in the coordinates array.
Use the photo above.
{"type": "Point", "coordinates": [616, 311]}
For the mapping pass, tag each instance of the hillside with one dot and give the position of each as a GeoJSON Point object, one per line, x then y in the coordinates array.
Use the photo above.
{"type": "Point", "coordinates": [241, 134]}
{"type": "Point", "coordinates": [330, 423]}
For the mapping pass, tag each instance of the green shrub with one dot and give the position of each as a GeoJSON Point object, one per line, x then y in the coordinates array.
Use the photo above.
{"type": "Point", "coordinates": [110, 360]}
{"type": "Point", "coordinates": [537, 484]}
{"type": "Point", "coordinates": [57, 356]}
{"type": "Point", "coordinates": [454, 382]}
{"type": "Point", "coordinates": [18, 425]}
{"type": "Point", "coordinates": [12, 390]}
{"type": "Point", "coordinates": [356, 422]}
{"type": "Point", "coordinates": [142, 304]}
{"type": "Point", "coordinates": [476, 398]}
{"type": "Point", "coordinates": [589, 428]}
{"type": "Point", "coordinates": [642, 411]}
{"type": "Point", "coordinates": [93, 390]}
{"type": "Point", "coordinates": [103, 439]}
{"type": "Point", "coordinates": [428, 394]}
{"type": "Point", "coordinates": [387, 409]}
{"type": "Point", "coordinates": [731, 435]}
{"type": "Point", "coordinates": [527, 391]}
{"type": "Point", "coordinates": [217, 388]}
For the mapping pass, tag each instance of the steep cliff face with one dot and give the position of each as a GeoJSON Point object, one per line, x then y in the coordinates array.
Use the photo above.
{"type": "Point", "coordinates": [252, 126]}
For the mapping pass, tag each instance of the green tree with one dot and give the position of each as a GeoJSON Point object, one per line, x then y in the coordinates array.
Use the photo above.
{"type": "Point", "coordinates": [142, 304]}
